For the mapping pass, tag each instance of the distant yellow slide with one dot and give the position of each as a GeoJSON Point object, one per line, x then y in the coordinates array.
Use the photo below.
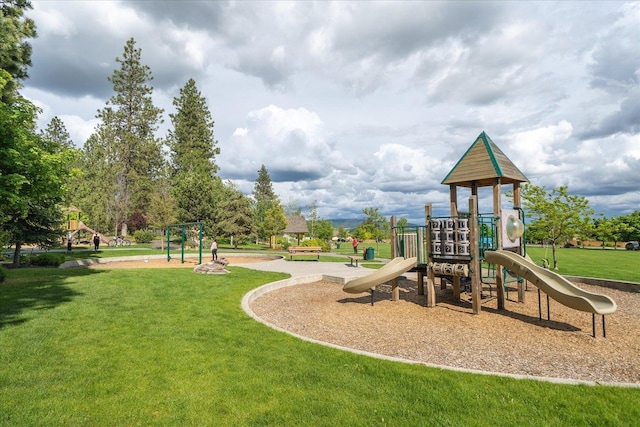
{"type": "Point", "coordinates": [553, 284]}
{"type": "Point", "coordinates": [391, 270]}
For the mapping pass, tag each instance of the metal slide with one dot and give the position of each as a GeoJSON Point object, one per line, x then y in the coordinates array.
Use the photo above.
{"type": "Point", "coordinates": [391, 270]}
{"type": "Point", "coordinates": [553, 284]}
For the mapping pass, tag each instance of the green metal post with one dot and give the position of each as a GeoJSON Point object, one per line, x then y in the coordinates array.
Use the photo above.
{"type": "Point", "coordinates": [168, 244]}
{"type": "Point", "coordinates": [182, 245]}
{"type": "Point", "coordinates": [200, 239]}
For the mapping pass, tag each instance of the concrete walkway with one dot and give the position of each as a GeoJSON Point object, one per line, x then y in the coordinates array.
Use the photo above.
{"type": "Point", "coordinates": [295, 268]}
{"type": "Point", "coordinates": [306, 268]}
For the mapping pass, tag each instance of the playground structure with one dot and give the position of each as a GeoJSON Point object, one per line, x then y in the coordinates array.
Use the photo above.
{"type": "Point", "coordinates": [75, 226]}
{"type": "Point", "coordinates": [479, 249]}
{"type": "Point", "coordinates": [187, 230]}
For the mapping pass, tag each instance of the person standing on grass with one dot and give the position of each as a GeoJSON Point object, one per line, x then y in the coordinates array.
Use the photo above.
{"type": "Point", "coordinates": [96, 242]}
{"type": "Point", "coordinates": [214, 250]}
{"type": "Point", "coordinates": [354, 242]}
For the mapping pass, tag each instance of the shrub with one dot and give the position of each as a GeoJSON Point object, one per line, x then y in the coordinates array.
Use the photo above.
{"type": "Point", "coordinates": [326, 247]}
{"type": "Point", "coordinates": [48, 259]}
{"type": "Point", "coordinates": [3, 274]}
{"type": "Point", "coordinates": [143, 236]}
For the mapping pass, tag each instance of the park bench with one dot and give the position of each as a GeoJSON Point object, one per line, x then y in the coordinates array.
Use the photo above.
{"type": "Point", "coordinates": [304, 250]}
{"type": "Point", "coordinates": [356, 259]}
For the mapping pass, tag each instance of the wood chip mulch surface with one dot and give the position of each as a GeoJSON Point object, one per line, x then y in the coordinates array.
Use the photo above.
{"type": "Point", "coordinates": [513, 341]}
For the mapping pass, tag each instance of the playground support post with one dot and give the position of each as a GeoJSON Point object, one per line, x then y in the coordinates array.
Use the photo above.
{"type": "Point", "coordinates": [475, 265]}
{"type": "Point", "coordinates": [430, 291]}
{"type": "Point", "coordinates": [395, 291]}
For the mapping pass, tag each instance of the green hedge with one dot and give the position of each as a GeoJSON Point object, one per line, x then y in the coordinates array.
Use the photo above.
{"type": "Point", "coordinates": [326, 247]}
{"type": "Point", "coordinates": [143, 236]}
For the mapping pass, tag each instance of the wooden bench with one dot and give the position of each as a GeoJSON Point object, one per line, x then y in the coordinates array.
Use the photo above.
{"type": "Point", "coordinates": [356, 259]}
{"type": "Point", "coordinates": [304, 250]}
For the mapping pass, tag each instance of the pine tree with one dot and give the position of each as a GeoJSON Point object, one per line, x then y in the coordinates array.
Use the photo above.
{"type": "Point", "coordinates": [127, 133]}
{"type": "Point", "coordinates": [57, 133]}
{"type": "Point", "coordinates": [192, 145]}
{"type": "Point", "coordinates": [193, 149]}
{"type": "Point", "coordinates": [265, 199]}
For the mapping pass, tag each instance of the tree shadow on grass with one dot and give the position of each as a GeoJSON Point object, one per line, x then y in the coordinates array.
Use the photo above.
{"type": "Point", "coordinates": [38, 289]}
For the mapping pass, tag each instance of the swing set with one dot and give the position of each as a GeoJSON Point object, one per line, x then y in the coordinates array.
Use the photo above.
{"type": "Point", "coordinates": [186, 232]}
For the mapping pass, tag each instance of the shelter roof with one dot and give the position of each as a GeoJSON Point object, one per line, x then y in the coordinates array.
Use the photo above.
{"type": "Point", "coordinates": [296, 224]}
{"type": "Point", "coordinates": [482, 164]}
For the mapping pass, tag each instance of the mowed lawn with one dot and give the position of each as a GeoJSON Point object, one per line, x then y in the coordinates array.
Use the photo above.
{"type": "Point", "coordinates": [86, 347]}
{"type": "Point", "coordinates": [601, 263]}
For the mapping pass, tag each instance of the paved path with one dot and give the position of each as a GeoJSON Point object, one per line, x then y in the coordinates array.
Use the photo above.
{"type": "Point", "coordinates": [295, 268]}
{"type": "Point", "coordinates": [306, 268]}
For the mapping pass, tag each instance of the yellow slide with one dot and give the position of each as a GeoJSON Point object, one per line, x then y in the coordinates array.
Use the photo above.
{"type": "Point", "coordinates": [553, 284]}
{"type": "Point", "coordinates": [83, 226]}
{"type": "Point", "coordinates": [391, 270]}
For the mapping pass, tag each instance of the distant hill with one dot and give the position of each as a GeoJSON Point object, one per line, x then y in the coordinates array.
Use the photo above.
{"type": "Point", "coordinates": [348, 223]}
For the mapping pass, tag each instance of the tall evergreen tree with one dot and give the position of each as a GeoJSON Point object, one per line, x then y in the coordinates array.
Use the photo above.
{"type": "Point", "coordinates": [193, 150]}
{"type": "Point", "coordinates": [265, 199]}
{"type": "Point", "coordinates": [192, 144]}
{"type": "Point", "coordinates": [127, 133]}
{"type": "Point", "coordinates": [57, 133]}
{"type": "Point", "coordinates": [15, 51]}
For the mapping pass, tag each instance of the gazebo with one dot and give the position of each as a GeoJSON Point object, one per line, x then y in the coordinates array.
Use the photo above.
{"type": "Point", "coordinates": [296, 224]}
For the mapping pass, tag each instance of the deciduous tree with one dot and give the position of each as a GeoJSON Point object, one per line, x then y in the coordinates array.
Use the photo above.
{"type": "Point", "coordinates": [33, 177]}
{"type": "Point", "coordinates": [557, 215]}
{"type": "Point", "coordinates": [235, 217]}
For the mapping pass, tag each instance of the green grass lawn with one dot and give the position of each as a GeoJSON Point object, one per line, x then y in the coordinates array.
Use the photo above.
{"type": "Point", "coordinates": [602, 263]}
{"type": "Point", "coordinates": [169, 347]}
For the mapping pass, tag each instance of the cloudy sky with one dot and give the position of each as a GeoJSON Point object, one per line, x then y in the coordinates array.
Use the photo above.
{"type": "Point", "coordinates": [370, 104]}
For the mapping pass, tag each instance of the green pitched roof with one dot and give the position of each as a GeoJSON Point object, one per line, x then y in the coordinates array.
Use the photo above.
{"type": "Point", "coordinates": [482, 164]}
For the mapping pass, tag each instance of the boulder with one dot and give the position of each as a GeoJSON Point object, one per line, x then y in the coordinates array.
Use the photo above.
{"type": "Point", "coordinates": [212, 267]}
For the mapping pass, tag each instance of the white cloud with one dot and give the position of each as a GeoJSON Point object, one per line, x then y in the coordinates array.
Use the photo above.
{"type": "Point", "coordinates": [370, 104]}
{"type": "Point", "coordinates": [289, 142]}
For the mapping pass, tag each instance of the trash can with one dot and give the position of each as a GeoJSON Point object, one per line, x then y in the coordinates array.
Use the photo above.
{"type": "Point", "coordinates": [369, 254]}
{"type": "Point", "coordinates": [338, 245]}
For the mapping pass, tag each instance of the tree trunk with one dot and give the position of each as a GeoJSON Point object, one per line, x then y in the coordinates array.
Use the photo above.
{"type": "Point", "coordinates": [16, 255]}
{"type": "Point", "coordinates": [555, 258]}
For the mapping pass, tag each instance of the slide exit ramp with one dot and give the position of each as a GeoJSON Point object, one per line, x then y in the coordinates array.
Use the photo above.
{"type": "Point", "coordinates": [389, 271]}
{"type": "Point", "coordinates": [554, 285]}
